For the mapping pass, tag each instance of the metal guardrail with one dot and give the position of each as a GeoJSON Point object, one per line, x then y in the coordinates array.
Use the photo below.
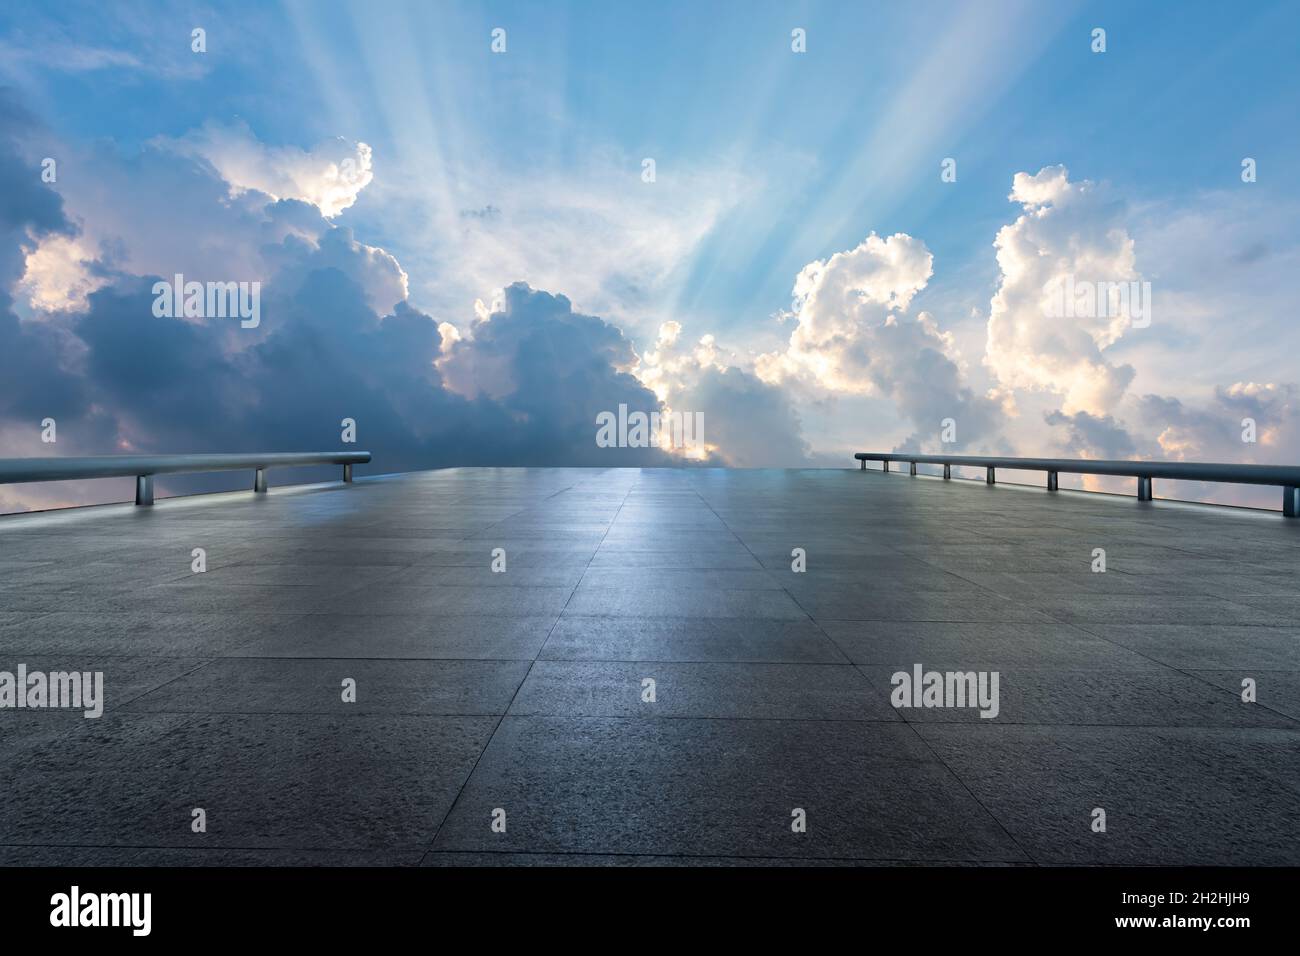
{"type": "Point", "coordinates": [1285, 476]}
{"type": "Point", "coordinates": [144, 467]}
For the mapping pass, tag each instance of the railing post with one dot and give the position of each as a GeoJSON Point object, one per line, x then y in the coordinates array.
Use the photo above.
{"type": "Point", "coordinates": [989, 478]}
{"type": "Point", "coordinates": [1052, 478]}
{"type": "Point", "coordinates": [1144, 489]}
{"type": "Point", "coordinates": [912, 470]}
{"type": "Point", "coordinates": [259, 481]}
{"type": "Point", "coordinates": [347, 472]}
{"type": "Point", "coordinates": [1291, 502]}
{"type": "Point", "coordinates": [886, 464]}
{"type": "Point", "coordinates": [144, 489]}
{"type": "Point", "coordinates": [863, 463]}
{"type": "Point", "coordinates": [947, 472]}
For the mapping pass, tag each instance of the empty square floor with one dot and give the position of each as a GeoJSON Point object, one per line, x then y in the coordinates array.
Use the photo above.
{"type": "Point", "coordinates": [639, 666]}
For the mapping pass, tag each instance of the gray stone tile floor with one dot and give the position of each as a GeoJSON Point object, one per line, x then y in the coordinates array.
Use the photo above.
{"type": "Point", "coordinates": [523, 696]}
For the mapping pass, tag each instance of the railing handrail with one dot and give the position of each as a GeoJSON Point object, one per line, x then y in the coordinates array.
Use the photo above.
{"type": "Point", "coordinates": [15, 470]}
{"type": "Point", "coordinates": [144, 467]}
{"type": "Point", "coordinates": [1285, 476]}
{"type": "Point", "coordinates": [1181, 470]}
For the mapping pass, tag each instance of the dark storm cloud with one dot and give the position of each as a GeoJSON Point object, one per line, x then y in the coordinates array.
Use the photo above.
{"type": "Point", "coordinates": [1093, 436]}
{"type": "Point", "coordinates": [337, 339]}
{"type": "Point", "coordinates": [176, 385]}
{"type": "Point", "coordinates": [27, 205]}
{"type": "Point", "coordinates": [117, 377]}
{"type": "Point", "coordinates": [751, 421]}
{"type": "Point", "coordinates": [34, 383]}
{"type": "Point", "coordinates": [555, 370]}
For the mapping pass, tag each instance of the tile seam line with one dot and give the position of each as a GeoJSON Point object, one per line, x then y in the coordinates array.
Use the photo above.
{"type": "Point", "coordinates": [935, 754]}
{"type": "Point", "coordinates": [1186, 672]}
{"type": "Point", "coordinates": [924, 742]}
{"type": "Point", "coordinates": [501, 719]}
{"type": "Point", "coordinates": [415, 847]}
{"type": "Point", "coordinates": [990, 726]}
{"type": "Point", "coordinates": [1080, 626]}
{"type": "Point", "coordinates": [785, 590]}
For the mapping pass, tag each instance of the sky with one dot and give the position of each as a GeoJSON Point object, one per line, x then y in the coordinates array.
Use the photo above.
{"type": "Point", "coordinates": [826, 227]}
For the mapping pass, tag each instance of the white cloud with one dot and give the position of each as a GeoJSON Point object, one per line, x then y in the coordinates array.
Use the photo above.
{"type": "Point", "coordinates": [842, 305]}
{"type": "Point", "coordinates": [853, 337]}
{"type": "Point", "coordinates": [330, 176]}
{"type": "Point", "coordinates": [748, 423]}
{"type": "Point", "coordinates": [232, 234]}
{"type": "Point", "coordinates": [1067, 232]}
{"type": "Point", "coordinates": [1213, 430]}
{"type": "Point", "coordinates": [674, 362]}
{"type": "Point", "coordinates": [59, 274]}
{"type": "Point", "coordinates": [610, 239]}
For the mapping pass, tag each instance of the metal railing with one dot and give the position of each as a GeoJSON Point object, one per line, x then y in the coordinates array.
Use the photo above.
{"type": "Point", "coordinates": [144, 467]}
{"type": "Point", "coordinates": [1285, 476]}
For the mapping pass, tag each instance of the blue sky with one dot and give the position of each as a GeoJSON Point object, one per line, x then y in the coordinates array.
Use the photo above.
{"type": "Point", "coordinates": [1182, 92]}
{"type": "Point", "coordinates": [490, 169]}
